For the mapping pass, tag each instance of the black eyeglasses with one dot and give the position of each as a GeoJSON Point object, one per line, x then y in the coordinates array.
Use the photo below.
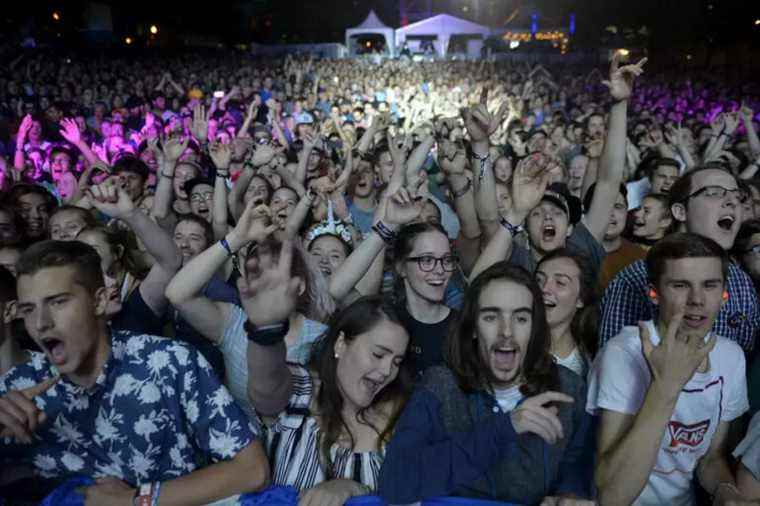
{"type": "Point", "coordinates": [718, 193]}
{"type": "Point", "coordinates": [427, 263]}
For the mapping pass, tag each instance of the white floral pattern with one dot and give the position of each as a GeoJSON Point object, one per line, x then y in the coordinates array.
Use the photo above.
{"type": "Point", "coordinates": [156, 412]}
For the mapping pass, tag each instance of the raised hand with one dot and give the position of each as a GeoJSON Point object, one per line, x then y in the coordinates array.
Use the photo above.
{"type": "Point", "coordinates": [529, 183]}
{"type": "Point", "coordinates": [453, 163]}
{"type": "Point", "coordinates": [399, 208]}
{"type": "Point", "coordinates": [534, 416]}
{"type": "Point", "coordinates": [621, 79]}
{"type": "Point", "coordinates": [173, 147]}
{"type": "Point", "coordinates": [271, 294]}
{"type": "Point", "coordinates": [731, 123]}
{"type": "Point", "coordinates": [70, 131]}
{"type": "Point", "coordinates": [199, 126]}
{"type": "Point", "coordinates": [262, 155]}
{"type": "Point", "coordinates": [111, 199]}
{"type": "Point", "coordinates": [399, 147]}
{"type": "Point", "coordinates": [221, 155]}
{"type": "Point", "coordinates": [746, 112]}
{"type": "Point", "coordinates": [676, 357]}
{"type": "Point", "coordinates": [479, 122]}
{"type": "Point", "coordinates": [254, 225]}
{"type": "Point", "coordinates": [19, 415]}
{"type": "Point", "coordinates": [24, 127]}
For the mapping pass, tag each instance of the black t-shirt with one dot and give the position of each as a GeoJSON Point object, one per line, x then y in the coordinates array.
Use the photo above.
{"type": "Point", "coordinates": [136, 316]}
{"type": "Point", "coordinates": [426, 339]}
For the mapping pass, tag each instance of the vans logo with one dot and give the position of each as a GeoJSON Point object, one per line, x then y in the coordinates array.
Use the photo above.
{"type": "Point", "coordinates": [688, 435]}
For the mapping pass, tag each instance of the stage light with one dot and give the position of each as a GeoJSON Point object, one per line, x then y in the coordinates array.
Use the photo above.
{"type": "Point", "coordinates": [688, 57]}
{"type": "Point", "coordinates": [757, 22]}
{"type": "Point", "coordinates": [153, 29]}
{"type": "Point", "coordinates": [514, 44]}
{"type": "Point", "coordinates": [56, 16]}
{"type": "Point", "coordinates": [624, 52]}
{"type": "Point", "coordinates": [368, 44]}
{"type": "Point", "coordinates": [128, 40]}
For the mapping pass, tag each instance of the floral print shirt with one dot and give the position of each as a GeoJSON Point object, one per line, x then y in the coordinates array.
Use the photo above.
{"type": "Point", "coordinates": [156, 412]}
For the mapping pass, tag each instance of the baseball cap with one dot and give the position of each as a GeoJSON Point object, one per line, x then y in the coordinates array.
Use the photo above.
{"type": "Point", "coordinates": [559, 195]}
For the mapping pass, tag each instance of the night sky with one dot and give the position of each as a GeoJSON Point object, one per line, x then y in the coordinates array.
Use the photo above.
{"type": "Point", "coordinates": [671, 22]}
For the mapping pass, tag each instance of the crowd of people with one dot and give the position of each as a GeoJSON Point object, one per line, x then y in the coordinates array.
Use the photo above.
{"type": "Point", "coordinates": [488, 280]}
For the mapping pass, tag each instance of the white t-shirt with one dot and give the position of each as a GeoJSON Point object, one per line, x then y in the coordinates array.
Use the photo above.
{"type": "Point", "coordinates": [508, 398]}
{"type": "Point", "coordinates": [619, 380]}
{"type": "Point", "coordinates": [574, 361]}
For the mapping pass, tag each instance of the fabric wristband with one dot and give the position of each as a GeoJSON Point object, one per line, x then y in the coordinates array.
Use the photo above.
{"type": "Point", "coordinates": [483, 160]}
{"type": "Point", "coordinates": [512, 229]}
{"type": "Point", "coordinates": [266, 335]}
{"type": "Point", "coordinates": [386, 234]}
{"type": "Point", "coordinates": [144, 495]}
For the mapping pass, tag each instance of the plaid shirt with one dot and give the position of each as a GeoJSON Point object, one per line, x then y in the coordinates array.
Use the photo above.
{"type": "Point", "coordinates": [626, 302]}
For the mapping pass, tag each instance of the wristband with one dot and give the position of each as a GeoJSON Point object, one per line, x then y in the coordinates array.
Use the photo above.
{"type": "Point", "coordinates": [386, 234]}
{"type": "Point", "coordinates": [483, 160]}
{"type": "Point", "coordinates": [156, 493]}
{"type": "Point", "coordinates": [512, 229]}
{"type": "Point", "coordinates": [168, 176]}
{"type": "Point", "coordinates": [461, 193]}
{"type": "Point", "coordinates": [224, 244]}
{"type": "Point", "coordinates": [266, 335]}
{"type": "Point", "coordinates": [145, 494]}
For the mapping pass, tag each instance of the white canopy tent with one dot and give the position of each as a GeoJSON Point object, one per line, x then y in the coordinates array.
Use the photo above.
{"type": "Point", "coordinates": [371, 25]}
{"type": "Point", "coordinates": [443, 27]}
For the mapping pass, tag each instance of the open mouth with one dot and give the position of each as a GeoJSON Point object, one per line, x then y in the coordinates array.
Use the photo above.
{"type": "Point", "coordinates": [548, 304]}
{"type": "Point", "coordinates": [203, 212]}
{"type": "Point", "coordinates": [436, 282]}
{"type": "Point", "coordinates": [326, 271]}
{"type": "Point", "coordinates": [371, 385]}
{"type": "Point", "coordinates": [694, 320]}
{"type": "Point", "coordinates": [549, 232]}
{"type": "Point", "coordinates": [505, 358]}
{"type": "Point", "coordinates": [55, 349]}
{"type": "Point", "coordinates": [726, 222]}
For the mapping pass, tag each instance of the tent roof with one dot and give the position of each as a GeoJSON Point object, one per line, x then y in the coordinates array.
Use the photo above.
{"type": "Point", "coordinates": [443, 23]}
{"type": "Point", "coordinates": [371, 23]}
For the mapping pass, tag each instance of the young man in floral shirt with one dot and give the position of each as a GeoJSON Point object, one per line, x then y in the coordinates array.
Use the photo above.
{"type": "Point", "coordinates": [143, 415]}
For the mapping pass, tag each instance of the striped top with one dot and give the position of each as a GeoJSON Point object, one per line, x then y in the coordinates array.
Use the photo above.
{"type": "Point", "coordinates": [292, 445]}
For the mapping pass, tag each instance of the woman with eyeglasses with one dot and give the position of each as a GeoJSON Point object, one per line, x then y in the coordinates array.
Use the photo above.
{"type": "Point", "coordinates": [223, 323]}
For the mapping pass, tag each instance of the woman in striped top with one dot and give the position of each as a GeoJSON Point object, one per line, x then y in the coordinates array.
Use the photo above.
{"type": "Point", "coordinates": [326, 424]}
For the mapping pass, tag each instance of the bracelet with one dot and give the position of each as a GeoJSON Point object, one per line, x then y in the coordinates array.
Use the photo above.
{"type": "Point", "coordinates": [266, 335]}
{"type": "Point", "coordinates": [156, 493]}
{"type": "Point", "coordinates": [483, 160]}
{"type": "Point", "coordinates": [223, 242]}
{"type": "Point", "coordinates": [386, 234]}
{"type": "Point", "coordinates": [146, 494]}
{"type": "Point", "coordinates": [168, 176]}
{"type": "Point", "coordinates": [512, 229]}
{"type": "Point", "coordinates": [461, 193]}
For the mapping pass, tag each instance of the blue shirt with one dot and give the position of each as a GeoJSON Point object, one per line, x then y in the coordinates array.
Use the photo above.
{"type": "Point", "coordinates": [625, 303]}
{"type": "Point", "coordinates": [156, 412]}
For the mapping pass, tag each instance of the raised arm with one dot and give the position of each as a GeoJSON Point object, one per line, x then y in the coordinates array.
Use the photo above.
{"type": "Point", "coordinates": [114, 201]}
{"type": "Point", "coordinates": [628, 444]}
{"type": "Point", "coordinates": [392, 212]}
{"type": "Point", "coordinates": [528, 186]}
{"type": "Point", "coordinates": [185, 289]}
{"type": "Point", "coordinates": [23, 130]}
{"type": "Point", "coordinates": [754, 143]}
{"type": "Point", "coordinates": [220, 154]}
{"type": "Point", "coordinates": [268, 301]}
{"type": "Point", "coordinates": [167, 163]}
{"type": "Point", "coordinates": [70, 132]}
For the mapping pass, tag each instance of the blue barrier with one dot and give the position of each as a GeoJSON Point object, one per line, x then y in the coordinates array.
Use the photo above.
{"type": "Point", "coordinates": [66, 495]}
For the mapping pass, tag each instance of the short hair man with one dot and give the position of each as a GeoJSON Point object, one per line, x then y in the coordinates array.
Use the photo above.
{"type": "Point", "coordinates": [707, 202]}
{"type": "Point", "coordinates": [132, 409]}
{"type": "Point", "coordinates": [668, 389]}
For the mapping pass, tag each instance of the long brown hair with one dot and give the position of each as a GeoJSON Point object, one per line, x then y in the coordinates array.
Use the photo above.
{"type": "Point", "coordinates": [461, 350]}
{"type": "Point", "coordinates": [359, 317]}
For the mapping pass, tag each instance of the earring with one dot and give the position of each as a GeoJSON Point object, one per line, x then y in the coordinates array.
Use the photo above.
{"type": "Point", "coordinates": [725, 296]}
